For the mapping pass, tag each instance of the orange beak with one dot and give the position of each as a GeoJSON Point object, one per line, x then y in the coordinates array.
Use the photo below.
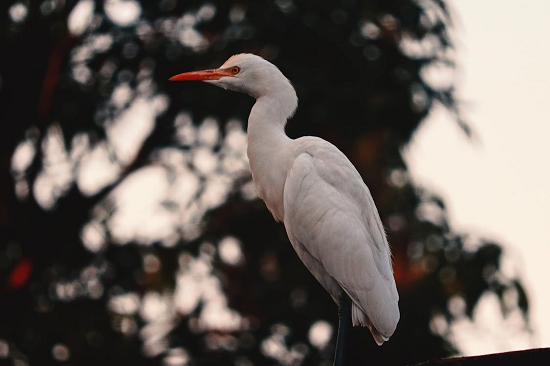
{"type": "Point", "coordinates": [202, 75]}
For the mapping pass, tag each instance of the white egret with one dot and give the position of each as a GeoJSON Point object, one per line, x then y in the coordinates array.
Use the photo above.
{"type": "Point", "coordinates": [310, 186]}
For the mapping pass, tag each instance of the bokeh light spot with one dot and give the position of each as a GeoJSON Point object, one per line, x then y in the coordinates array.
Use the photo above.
{"type": "Point", "coordinates": [230, 251]}
{"type": "Point", "coordinates": [94, 236]}
{"type": "Point", "coordinates": [369, 30]}
{"type": "Point", "coordinates": [319, 334]}
{"type": "Point", "coordinates": [23, 156]}
{"type": "Point", "coordinates": [125, 304]}
{"type": "Point", "coordinates": [151, 263]}
{"type": "Point", "coordinates": [81, 17]}
{"type": "Point", "coordinates": [206, 12]}
{"type": "Point", "coordinates": [4, 349]}
{"type": "Point", "coordinates": [123, 12]}
{"type": "Point", "coordinates": [176, 357]}
{"type": "Point", "coordinates": [18, 12]}
{"type": "Point", "coordinates": [61, 352]}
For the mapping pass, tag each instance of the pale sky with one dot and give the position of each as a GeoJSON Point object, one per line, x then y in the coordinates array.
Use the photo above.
{"type": "Point", "coordinates": [498, 186]}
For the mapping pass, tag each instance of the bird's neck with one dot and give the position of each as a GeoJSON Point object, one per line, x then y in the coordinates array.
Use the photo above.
{"type": "Point", "coordinates": [269, 149]}
{"type": "Point", "coordinates": [267, 120]}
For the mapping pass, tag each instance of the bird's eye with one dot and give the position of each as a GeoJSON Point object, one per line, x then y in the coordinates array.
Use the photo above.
{"type": "Point", "coordinates": [235, 70]}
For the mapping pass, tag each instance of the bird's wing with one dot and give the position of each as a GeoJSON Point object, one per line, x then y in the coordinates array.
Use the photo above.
{"type": "Point", "coordinates": [330, 212]}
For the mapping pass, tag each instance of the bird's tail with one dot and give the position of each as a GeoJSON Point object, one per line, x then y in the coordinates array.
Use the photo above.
{"type": "Point", "coordinates": [359, 318]}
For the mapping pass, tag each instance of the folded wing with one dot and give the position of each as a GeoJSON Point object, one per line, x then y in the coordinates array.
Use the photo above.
{"type": "Point", "coordinates": [330, 213]}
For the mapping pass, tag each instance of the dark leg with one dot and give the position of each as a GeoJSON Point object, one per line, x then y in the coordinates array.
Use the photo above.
{"type": "Point", "coordinates": [344, 323]}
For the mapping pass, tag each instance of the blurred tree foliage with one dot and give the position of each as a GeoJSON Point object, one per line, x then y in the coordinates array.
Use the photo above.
{"type": "Point", "coordinates": [103, 262]}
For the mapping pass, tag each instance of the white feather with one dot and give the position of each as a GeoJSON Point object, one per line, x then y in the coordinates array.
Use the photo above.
{"type": "Point", "coordinates": [327, 209]}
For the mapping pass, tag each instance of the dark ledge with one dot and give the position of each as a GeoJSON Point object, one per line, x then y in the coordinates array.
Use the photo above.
{"type": "Point", "coordinates": [529, 357]}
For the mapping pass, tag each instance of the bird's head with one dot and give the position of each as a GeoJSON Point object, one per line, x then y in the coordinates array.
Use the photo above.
{"type": "Point", "coordinates": [246, 73]}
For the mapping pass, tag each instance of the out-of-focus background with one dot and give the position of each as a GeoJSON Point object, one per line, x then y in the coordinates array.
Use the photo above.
{"type": "Point", "coordinates": [498, 185]}
{"type": "Point", "coordinates": [130, 228]}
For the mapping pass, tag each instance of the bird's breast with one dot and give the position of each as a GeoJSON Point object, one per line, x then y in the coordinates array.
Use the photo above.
{"type": "Point", "coordinates": [270, 189]}
{"type": "Point", "coordinates": [269, 179]}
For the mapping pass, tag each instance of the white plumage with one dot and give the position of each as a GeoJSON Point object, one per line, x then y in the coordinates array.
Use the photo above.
{"type": "Point", "coordinates": [310, 186]}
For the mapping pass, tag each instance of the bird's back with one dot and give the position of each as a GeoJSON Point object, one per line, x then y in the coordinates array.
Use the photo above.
{"type": "Point", "coordinates": [333, 224]}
